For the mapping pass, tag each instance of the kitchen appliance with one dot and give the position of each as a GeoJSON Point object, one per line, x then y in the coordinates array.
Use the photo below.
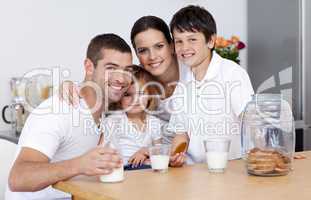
{"type": "Point", "coordinates": [17, 113]}
{"type": "Point", "coordinates": [18, 116]}
{"type": "Point", "coordinates": [26, 93]}
{"type": "Point", "coordinates": [279, 61]}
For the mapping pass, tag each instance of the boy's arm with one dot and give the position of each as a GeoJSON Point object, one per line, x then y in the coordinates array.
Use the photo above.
{"type": "Point", "coordinates": [32, 170]}
{"type": "Point", "coordinates": [178, 159]}
{"type": "Point", "coordinates": [179, 139]}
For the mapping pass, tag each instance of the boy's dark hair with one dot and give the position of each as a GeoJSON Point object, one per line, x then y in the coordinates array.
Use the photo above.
{"type": "Point", "coordinates": [150, 22]}
{"type": "Point", "coordinates": [105, 41]}
{"type": "Point", "coordinates": [192, 19]}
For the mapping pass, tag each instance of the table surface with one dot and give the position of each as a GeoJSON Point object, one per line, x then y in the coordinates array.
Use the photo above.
{"type": "Point", "coordinates": [195, 182]}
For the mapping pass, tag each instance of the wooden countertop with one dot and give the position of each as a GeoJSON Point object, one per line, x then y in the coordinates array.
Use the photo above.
{"type": "Point", "coordinates": [195, 182]}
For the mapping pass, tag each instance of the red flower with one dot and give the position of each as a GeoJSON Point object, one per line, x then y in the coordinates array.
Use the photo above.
{"type": "Point", "coordinates": [241, 45]}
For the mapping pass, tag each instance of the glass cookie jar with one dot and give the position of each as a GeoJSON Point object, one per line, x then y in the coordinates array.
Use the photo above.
{"type": "Point", "coordinates": [268, 137]}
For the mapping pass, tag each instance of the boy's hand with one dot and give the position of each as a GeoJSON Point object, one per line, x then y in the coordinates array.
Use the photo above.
{"type": "Point", "coordinates": [139, 157]}
{"type": "Point", "coordinates": [179, 147]}
{"type": "Point", "coordinates": [178, 160]}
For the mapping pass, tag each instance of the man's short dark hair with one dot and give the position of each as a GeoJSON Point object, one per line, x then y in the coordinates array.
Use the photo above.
{"type": "Point", "coordinates": [192, 19]}
{"type": "Point", "coordinates": [105, 41]}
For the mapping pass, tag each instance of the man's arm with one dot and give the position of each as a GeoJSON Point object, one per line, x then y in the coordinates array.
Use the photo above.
{"type": "Point", "coordinates": [32, 170]}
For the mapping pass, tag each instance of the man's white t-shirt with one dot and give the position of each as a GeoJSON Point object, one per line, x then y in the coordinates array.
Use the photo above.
{"type": "Point", "coordinates": [61, 134]}
{"type": "Point", "coordinates": [211, 107]}
{"type": "Point", "coordinates": [127, 136]}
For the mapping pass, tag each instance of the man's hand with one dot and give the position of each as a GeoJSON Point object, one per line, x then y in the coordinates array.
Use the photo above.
{"type": "Point", "coordinates": [139, 157]}
{"type": "Point", "coordinates": [33, 171]}
{"type": "Point", "coordinates": [99, 161]}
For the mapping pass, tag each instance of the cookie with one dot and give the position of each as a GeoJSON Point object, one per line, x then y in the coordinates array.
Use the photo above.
{"type": "Point", "coordinates": [267, 162]}
{"type": "Point", "coordinates": [180, 148]}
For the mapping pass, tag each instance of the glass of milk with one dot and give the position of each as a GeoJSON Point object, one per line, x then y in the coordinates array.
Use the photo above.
{"type": "Point", "coordinates": [159, 157]}
{"type": "Point", "coordinates": [217, 154]}
{"type": "Point", "coordinates": [117, 175]}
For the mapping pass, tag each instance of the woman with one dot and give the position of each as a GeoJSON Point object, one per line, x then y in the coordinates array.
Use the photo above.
{"type": "Point", "coordinates": [153, 44]}
{"type": "Point", "coordinates": [154, 47]}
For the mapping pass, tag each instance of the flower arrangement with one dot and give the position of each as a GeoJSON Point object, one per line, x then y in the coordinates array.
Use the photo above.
{"type": "Point", "coordinates": [229, 48]}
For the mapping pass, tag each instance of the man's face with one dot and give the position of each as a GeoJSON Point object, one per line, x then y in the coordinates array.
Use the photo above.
{"type": "Point", "coordinates": [112, 73]}
{"type": "Point", "coordinates": [191, 48]}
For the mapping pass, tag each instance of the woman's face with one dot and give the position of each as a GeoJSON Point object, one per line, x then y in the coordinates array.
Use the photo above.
{"type": "Point", "coordinates": [134, 101]}
{"type": "Point", "coordinates": [153, 51]}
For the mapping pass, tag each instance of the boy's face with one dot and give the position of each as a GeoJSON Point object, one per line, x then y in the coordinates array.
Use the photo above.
{"type": "Point", "coordinates": [191, 48]}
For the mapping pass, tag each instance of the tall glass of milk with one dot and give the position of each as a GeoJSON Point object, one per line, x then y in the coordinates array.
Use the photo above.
{"type": "Point", "coordinates": [117, 175]}
{"type": "Point", "coordinates": [217, 154]}
{"type": "Point", "coordinates": [159, 157]}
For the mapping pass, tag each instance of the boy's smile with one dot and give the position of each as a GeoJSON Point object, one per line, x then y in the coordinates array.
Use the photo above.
{"type": "Point", "coordinates": [192, 50]}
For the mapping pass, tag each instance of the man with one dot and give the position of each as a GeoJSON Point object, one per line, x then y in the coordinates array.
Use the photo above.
{"type": "Point", "coordinates": [58, 146]}
{"type": "Point", "coordinates": [214, 94]}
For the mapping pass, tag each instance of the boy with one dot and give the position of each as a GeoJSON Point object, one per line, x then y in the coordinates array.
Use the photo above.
{"type": "Point", "coordinates": [209, 102]}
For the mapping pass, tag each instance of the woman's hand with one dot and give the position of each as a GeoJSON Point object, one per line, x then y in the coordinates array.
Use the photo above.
{"type": "Point", "coordinates": [69, 92]}
{"type": "Point", "coordinates": [139, 157]}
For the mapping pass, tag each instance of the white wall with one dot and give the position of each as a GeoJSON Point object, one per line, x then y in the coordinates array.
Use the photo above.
{"type": "Point", "coordinates": [36, 33]}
